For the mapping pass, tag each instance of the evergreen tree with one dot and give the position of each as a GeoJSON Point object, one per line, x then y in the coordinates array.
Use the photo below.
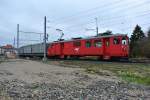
{"type": "Point", "coordinates": [136, 36]}
{"type": "Point", "coordinates": [148, 33]}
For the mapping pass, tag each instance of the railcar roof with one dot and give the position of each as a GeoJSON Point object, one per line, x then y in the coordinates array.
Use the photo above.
{"type": "Point", "coordinates": [94, 37]}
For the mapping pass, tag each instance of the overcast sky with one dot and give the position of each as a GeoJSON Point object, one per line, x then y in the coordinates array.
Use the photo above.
{"type": "Point", "coordinates": [72, 16]}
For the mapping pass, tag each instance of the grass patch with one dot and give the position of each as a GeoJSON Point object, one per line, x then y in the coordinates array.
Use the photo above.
{"type": "Point", "coordinates": [131, 72]}
{"type": "Point", "coordinates": [96, 70]}
{"type": "Point", "coordinates": [134, 77]}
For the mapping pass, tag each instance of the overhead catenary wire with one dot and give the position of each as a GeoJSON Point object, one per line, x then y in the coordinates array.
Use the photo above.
{"type": "Point", "coordinates": [104, 17]}
{"type": "Point", "coordinates": [102, 11]}
{"type": "Point", "coordinates": [147, 12]}
{"type": "Point", "coordinates": [30, 40]}
{"type": "Point", "coordinates": [31, 32]}
{"type": "Point", "coordinates": [125, 28]}
{"type": "Point", "coordinates": [127, 7]}
{"type": "Point", "coordinates": [85, 11]}
{"type": "Point", "coordinates": [101, 8]}
{"type": "Point", "coordinates": [118, 17]}
{"type": "Point", "coordinates": [116, 24]}
{"type": "Point", "coordinates": [114, 18]}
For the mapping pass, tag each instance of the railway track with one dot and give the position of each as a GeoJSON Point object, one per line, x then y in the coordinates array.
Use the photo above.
{"type": "Point", "coordinates": [100, 62]}
{"type": "Point", "coordinates": [131, 60]}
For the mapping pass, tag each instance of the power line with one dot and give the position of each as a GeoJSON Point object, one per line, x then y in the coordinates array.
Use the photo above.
{"type": "Point", "coordinates": [112, 18]}
{"type": "Point", "coordinates": [137, 5]}
{"type": "Point", "coordinates": [125, 28]}
{"type": "Point", "coordinates": [105, 6]}
{"type": "Point", "coordinates": [126, 7]}
{"type": "Point", "coordinates": [81, 12]}
{"type": "Point", "coordinates": [30, 40]}
{"type": "Point", "coordinates": [79, 25]}
{"type": "Point", "coordinates": [31, 32]}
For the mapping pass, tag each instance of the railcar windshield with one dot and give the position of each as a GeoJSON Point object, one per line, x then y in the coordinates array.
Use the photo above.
{"type": "Point", "coordinates": [124, 41]}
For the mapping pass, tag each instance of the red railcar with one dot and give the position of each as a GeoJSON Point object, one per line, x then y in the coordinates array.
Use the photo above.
{"type": "Point", "coordinates": [105, 47]}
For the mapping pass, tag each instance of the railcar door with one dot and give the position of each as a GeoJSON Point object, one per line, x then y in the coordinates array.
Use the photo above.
{"type": "Point", "coordinates": [106, 48]}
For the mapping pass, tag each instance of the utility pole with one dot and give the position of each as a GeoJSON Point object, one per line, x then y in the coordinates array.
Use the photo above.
{"type": "Point", "coordinates": [96, 20]}
{"type": "Point", "coordinates": [17, 36]}
{"type": "Point", "coordinates": [14, 42]}
{"type": "Point", "coordinates": [45, 38]}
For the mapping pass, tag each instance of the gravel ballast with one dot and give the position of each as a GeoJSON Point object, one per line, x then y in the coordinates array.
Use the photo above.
{"type": "Point", "coordinates": [101, 90]}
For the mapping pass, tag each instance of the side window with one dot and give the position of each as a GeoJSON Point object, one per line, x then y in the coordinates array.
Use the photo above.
{"type": "Point", "coordinates": [77, 43]}
{"type": "Point", "coordinates": [124, 41]}
{"type": "Point", "coordinates": [97, 43]}
{"type": "Point", "coordinates": [88, 44]}
{"type": "Point", "coordinates": [116, 41]}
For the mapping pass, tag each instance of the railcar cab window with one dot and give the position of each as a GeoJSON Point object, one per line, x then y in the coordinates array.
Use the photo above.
{"type": "Point", "coordinates": [77, 44]}
{"type": "Point", "coordinates": [116, 41]}
{"type": "Point", "coordinates": [88, 44]}
{"type": "Point", "coordinates": [124, 41]}
{"type": "Point", "coordinates": [97, 43]}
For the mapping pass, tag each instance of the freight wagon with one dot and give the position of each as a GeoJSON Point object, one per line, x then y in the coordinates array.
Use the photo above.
{"type": "Point", "coordinates": [32, 50]}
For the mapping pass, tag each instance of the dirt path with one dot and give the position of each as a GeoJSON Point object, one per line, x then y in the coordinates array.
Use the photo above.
{"type": "Point", "coordinates": [32, 80]}
{"type": "Point", "coordinates": [33, 71]}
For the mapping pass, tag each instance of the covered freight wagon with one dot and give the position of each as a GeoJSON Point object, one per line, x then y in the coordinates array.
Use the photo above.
{"type": "Point", "coordinates": [32, 50]}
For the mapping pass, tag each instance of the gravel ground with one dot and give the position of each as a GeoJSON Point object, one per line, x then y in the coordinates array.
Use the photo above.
{"type": "Point", "coordinates": [30, 80]}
